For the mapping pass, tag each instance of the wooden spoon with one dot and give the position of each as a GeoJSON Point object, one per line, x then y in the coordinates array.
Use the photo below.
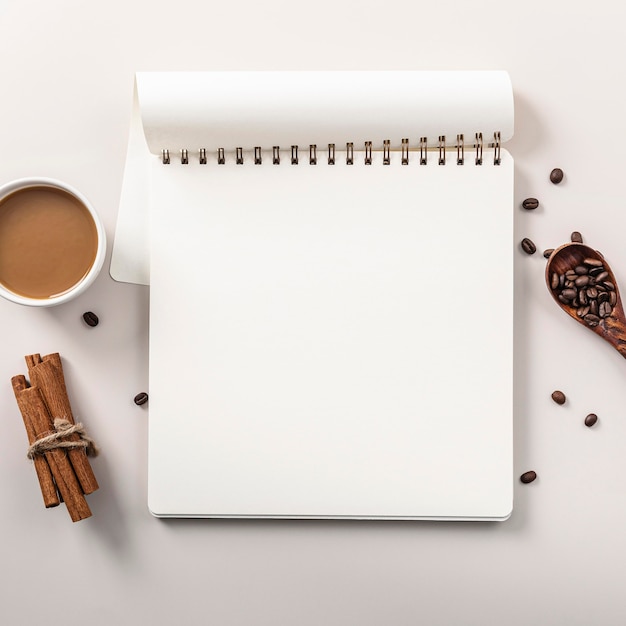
{"type": "Point", "coordinates": [611, 328]}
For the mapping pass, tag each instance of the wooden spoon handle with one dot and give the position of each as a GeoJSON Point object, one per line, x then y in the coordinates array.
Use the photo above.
{"type": "Point", "coordinates": [615, 334]}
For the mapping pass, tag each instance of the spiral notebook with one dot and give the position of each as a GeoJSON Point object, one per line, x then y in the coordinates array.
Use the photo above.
{"type": "Point", "coordinates": [330, 261]}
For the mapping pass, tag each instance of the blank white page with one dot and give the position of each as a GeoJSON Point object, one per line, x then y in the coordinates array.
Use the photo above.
{"type": "Point", "coordinates": [332, 341]}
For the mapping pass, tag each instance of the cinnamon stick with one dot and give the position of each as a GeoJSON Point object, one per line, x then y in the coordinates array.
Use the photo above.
{"type": "Point", "coordinates": [44, 475]}
{"type": "Point", "coordinates": [31, 399]}
{"type": "Point", "coordinates": [47, 374]}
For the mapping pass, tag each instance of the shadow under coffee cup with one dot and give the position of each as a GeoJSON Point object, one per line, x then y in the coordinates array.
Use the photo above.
{"type": "Point", "coordinates": [52, 242]}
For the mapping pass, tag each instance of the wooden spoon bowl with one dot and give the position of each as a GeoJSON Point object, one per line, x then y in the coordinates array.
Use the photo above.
{"type": "Point", "coordinates": [612, 327]}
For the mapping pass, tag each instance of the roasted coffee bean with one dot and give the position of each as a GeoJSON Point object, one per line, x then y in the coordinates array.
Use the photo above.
{"type": "Point", "coordinates": [609, 285]}
{"type": "Point", "coordinates": [554, 280]}
{"type": "Point", "coordinates": [528, 246]}
{"type": "Point", "coordinates": [593, 262]}
{"type": "Point", "coordinates": [530, 204]}
{"type": "Point", "coordinates": [582, 311]}
{"type": "Point", "coordinates": [581, 281]}
{"type": "Point", "coordinates": [593, 307]}
{"type": "Point", "coordinates": [582, 297]}
{"type": "Point", "coordinates": [91, 319]}
{"type": "Point", "coordinates": [604, 310]}
{"type": "Point", "coordinates": [592, 292]}
{"type": "Point", "coordinates": [603, 297]}
{"type": "Point", "coordinates": [612, 298]}
{"type": "Point", "coordinates": [581, 270]}
{"type": "Point", "coordinates": [591, 319]}
{"type": "Point", "coordinates": [569, 294]}
{"type": "Point", "coordinates": [528, 477]}
{"type": "Point", "coordinates": [548, 252]}
{"type": "Point", "coordinates": [141, 398]}
{"type": "Point", "coordinates": [601, 276]}
{"type": "Point", "coordinates": [570, 274]}
{"type": "Point", "coordinates": [594, 271]}
{"type": "Point", "coordinates": [591, 419]}
{"type": "Point", "coordinates": [558, 397]}
{"type": "Point", "coordinates": [576, 237]}
{"type": "Point", "coordinates": [556, 175]}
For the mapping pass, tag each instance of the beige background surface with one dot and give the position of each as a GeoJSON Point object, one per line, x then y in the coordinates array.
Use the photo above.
{"type": "Point", "coordinates": [66, 73]}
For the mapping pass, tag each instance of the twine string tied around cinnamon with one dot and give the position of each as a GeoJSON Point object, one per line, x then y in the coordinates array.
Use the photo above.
{"type": "Point", "coordinates": [58, 439]}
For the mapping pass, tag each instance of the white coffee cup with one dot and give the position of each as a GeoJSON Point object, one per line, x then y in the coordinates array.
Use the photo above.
{"type": "Point", "coordinates": [52, 242]}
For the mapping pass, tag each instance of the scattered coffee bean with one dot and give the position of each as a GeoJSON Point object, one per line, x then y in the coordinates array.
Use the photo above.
{"type": "Point", "coordinates": [528, 477]}
{"type": "Point", "coordinates": [530, 204]}
{"type": "Point", "coordinates": [576, 237]}
{"type": "Point", "coordinates": [91, 319]}
{"type": "Point", "coordinates": [556, 175]}
{"type": "Point", "coordinates": [587, 289]}
{"type": "Point", "coordinates": [548, 252]}
{"type": "Point", "coordinates": [558, 397]}
{"type": "Point", "coordinates": [528, 246]}
{"type": "Point", "coordinates": [591, 419]}
{"type": "Point", "coordinates": [141, 398]}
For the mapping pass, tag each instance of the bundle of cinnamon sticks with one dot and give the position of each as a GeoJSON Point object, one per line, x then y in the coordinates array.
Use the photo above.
{"type": "Point", "coordinates": [58, 446]}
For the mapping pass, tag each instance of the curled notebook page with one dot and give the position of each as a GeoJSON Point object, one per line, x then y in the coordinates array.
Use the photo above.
{"type": "Point", "coordinates": [187, 110]}
{"type": "Point", "coordinates": [213, 111]}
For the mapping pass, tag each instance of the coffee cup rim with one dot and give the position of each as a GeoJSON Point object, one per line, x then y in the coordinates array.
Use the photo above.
{"type": "Point", "coordinates": [19, 184]}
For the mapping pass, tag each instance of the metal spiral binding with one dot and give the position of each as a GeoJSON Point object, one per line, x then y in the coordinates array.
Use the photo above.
{"type": "Point", "coordinates": [350, 153]}
{"type": "Point", "coordinates": [441, 149]}
{"type": "Point", "coordinates": [460, 150]}
{"type": "Point", "coordinates": [368, 153]}
{"type": "Point", "coordinates": [479, 149]}
{"type": "Point", "coordinates": [423, 150]}
{"type": "Point", "coordinates": [496, 148]}
{"type": "Point", "coordinates": [405, 151]}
